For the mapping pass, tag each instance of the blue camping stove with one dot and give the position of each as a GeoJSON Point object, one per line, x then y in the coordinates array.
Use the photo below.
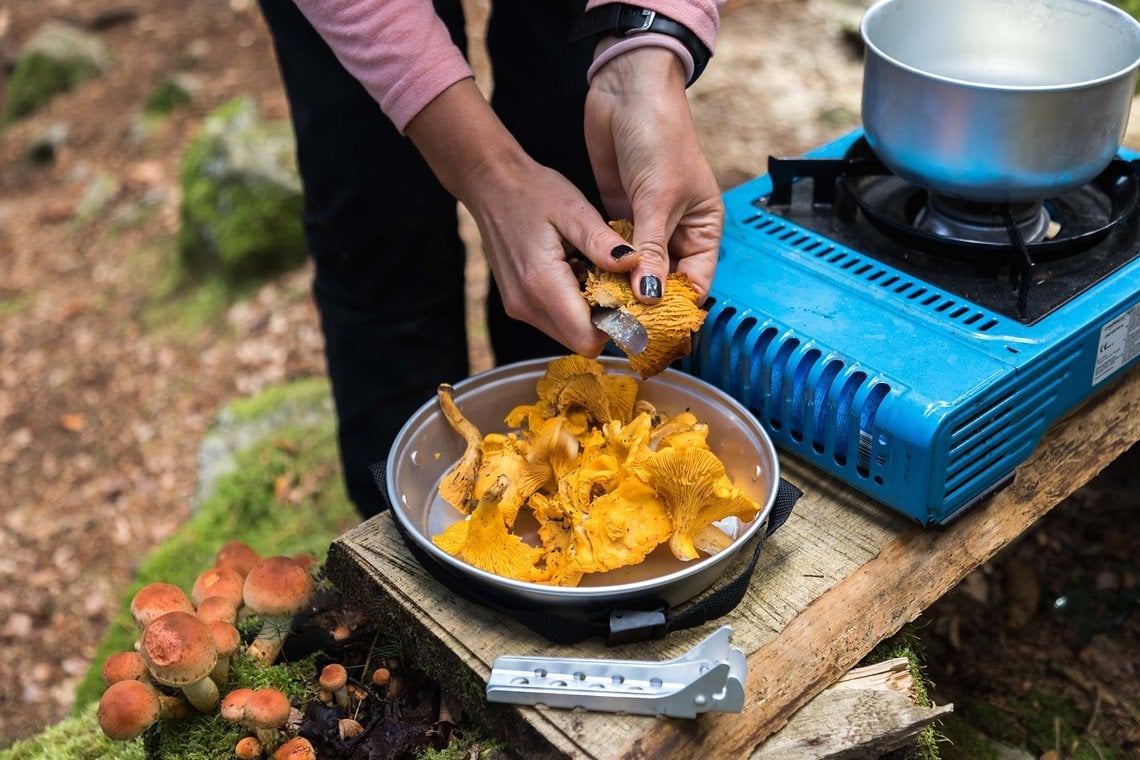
{"type": "Point", "coordinates": [918, 347]}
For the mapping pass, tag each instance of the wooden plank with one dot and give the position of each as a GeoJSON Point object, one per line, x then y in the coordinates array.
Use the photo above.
{"type": "Point", "coordinates": [840, 576]}
{"type": "Point", "coordinates": [868, 712]}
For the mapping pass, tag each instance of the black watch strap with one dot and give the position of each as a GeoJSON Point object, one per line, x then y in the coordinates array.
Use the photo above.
{"type": "Point", "coordinates": [622, 20]}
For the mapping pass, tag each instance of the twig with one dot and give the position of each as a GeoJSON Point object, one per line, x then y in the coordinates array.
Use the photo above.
{"type": "Point", "coordinates": [1095, 711]}
{"type": "Point", "coordinates": [363, 673]}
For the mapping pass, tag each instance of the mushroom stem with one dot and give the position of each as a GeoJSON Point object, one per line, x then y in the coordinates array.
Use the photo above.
{"type": "Point", "coordinates": [203, 694]}
{"type": "Point", "coordinates": [270, 639]}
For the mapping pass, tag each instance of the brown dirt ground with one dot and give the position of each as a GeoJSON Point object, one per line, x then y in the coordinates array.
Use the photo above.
{"type": "Point", "coordinates": [101, 414]}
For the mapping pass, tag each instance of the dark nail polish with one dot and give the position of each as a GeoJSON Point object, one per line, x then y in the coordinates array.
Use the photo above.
{"type": "Point", "coordinates": [650, 286]}
{"type": "Point", "coordinates": [621, 251]}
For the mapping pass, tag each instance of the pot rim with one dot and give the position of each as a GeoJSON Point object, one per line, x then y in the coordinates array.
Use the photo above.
{"type": "Point", "coordinates": [587, 594]}
{"type": "Point", "coordinates": [1125, 18]}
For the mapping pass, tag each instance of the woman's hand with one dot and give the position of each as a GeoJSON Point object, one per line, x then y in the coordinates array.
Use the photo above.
{"type": "Point", "coordinates": [530, 217]}
{"type": "Point", "coordinates": [651, 169]}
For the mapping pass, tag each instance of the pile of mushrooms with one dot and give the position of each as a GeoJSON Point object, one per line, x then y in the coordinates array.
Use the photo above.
{"type": "Point", "coordinates": [606, 476]}
{"type": "Point", "coordinates": [181, 661]}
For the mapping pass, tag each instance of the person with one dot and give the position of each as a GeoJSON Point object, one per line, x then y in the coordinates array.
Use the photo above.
{"type": "Point", "coordinates": [392, 130]}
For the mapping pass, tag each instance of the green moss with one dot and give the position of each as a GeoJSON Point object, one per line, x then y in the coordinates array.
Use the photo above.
{"type": "Point", "coordinates": [13, 305]}
{"type": "Point", "coordinates": [1036, 721]}
{"type": "Point", "coordinates": [166, 98]}
{"type": "Point", "coordinates": [305, 393]}
{"type": "Point", "coordinates": [76, 738]}
{"type": "Point", "coordinates": [243, 506]}
{"type": "Point", "coordinates": [38, 78]}
{"type": "Point", "coordinates": [241, 203]}
{"type": "Point", "coordinates": [965, 742]}
{"type": "Point", "coordinates": [907, 643]}
{"type": "Point", "coordinates": [469, 745]}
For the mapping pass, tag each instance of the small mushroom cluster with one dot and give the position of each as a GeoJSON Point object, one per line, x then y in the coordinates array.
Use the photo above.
{"type": "Point", "coordinates": [339, 691]}
{"type": "Point", "coordinates": [181, 660]}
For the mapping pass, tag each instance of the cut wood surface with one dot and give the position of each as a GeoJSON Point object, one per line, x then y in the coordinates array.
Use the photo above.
{"type": "Point", "coordinates": [840, 576]}
{"type": "Point", "coordinates": [869, 711]}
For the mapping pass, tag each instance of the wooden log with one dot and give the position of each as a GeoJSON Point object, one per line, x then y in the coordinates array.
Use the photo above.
{"type": "Point", "coordinates": [868, 712]}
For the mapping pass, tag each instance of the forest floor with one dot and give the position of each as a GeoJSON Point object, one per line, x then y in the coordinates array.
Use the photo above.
{"type": "Point", "coordinates": [102, 408]}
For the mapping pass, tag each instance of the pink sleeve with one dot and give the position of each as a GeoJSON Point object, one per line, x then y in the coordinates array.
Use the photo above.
{"type": "Point", "coordinates": [400, 50]}
{"type": "Point", "coordinates": [702, 17]}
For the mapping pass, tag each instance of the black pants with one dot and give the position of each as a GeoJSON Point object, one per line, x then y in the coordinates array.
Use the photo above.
{"type": "Point", "coordinates": [384, 234]}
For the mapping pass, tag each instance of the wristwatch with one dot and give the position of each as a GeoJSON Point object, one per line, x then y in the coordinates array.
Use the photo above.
{"type": "Point", "coordinates": [622, 20]}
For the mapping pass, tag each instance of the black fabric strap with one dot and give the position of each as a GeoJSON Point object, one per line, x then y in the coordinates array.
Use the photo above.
{"type": "Point", "coordinates": [622, 20]}
{"type": "Point", "coordinates": [649, 619]}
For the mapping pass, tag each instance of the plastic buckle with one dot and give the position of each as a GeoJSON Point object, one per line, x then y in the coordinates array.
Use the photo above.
{"type": "Point", "coordinates": [628, 626]}
{"type": "Point", "coordinates": [648, 17]}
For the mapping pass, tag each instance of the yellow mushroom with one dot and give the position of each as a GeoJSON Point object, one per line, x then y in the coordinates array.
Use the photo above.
{"type": "Point", "coordinates": [456, 488]}
{"type": "Point", "coordinates": [698, 491]}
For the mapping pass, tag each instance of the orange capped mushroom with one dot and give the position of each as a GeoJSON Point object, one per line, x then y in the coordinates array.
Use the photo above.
{"type": "Point", "coordinates": [276, 589]}
{"type": "Point", "coordinates": [179, 651]}
{"type": "Point", "coordinates": [127, 709]}
{"type": "Point", "coordinates": [237, 555]}
{"type": "Point", "coordinates": [155, 599]}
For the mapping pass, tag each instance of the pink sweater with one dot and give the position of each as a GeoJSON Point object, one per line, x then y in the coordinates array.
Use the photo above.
{"type": "Point", "coordinates": [402, 54]}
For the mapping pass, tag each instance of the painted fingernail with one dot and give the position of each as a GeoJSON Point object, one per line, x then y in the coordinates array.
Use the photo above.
{"type": "Point", "coordinates": [621, 251]}
{"type": "Point", "coordinates": [650, 286]}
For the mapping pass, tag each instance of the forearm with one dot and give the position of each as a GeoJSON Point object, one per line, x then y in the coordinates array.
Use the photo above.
{"type": "Point", "coordinates": [463, 141]}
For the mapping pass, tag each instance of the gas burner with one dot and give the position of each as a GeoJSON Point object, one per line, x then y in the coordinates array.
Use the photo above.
{"type": "Point", "coordinates": [971, 222]}
{"type": "Point", "coordinates": [993, 254]}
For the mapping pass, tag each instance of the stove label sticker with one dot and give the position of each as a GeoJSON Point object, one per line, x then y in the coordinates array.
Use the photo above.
{"type": "Point", "coordinates": [1119, 344]}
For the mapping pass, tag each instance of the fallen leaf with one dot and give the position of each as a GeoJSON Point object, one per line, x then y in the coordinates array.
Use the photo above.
{"type": "Point", "coordinates": [72, 423]}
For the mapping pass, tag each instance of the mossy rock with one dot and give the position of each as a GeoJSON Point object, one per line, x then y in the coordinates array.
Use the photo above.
{"type": "Point", "coordinates": [58, 58]}
{"type": "Point", "coordinates": [241, 198]}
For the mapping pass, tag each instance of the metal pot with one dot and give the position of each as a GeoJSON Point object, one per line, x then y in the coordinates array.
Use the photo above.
{"type": "Point", "coordinates": [426, 448]}
{"type": "Point", "coordinates": [998, 100]}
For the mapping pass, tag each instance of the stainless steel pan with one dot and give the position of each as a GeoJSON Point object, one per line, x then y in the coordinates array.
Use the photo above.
{"type": "Point", "coordinates": [426, 448]}
{"type": "Point", "coordinates": [998, 100]}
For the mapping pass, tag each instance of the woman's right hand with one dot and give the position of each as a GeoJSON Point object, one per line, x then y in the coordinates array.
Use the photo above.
{"type": "Point", "coordinates": [530, 217]}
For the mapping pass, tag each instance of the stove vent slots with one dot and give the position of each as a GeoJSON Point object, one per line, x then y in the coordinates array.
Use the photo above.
{"type": "Point", "coordinates": [816, 405]}
{"type": "Point", "coordinates": [888, 280]}
{"type": "Point", "coordinates": [1003, 428]}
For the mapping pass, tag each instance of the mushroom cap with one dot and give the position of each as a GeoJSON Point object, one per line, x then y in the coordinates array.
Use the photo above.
{"type": "Point", "coordinates": [381, 676]}
{"type": "Point", "coordinates": [178, 649]}
{"type": "Point", "coordinates": [333, 677]}
{"type": "Point", "coordinates": [127, 709]}
{"type": "Point", "coordinates": [267, 708]}
{"type": "Point", "coordinates": [237, 555]}
{"type": "Point", "coordinates": [278, 587]}
{"type": "Point", "coordinates": [218, 581]}
{"type": "Point", "coordinates": [232, 706]}
{"type": "Point", "coordinates": [217, 608]}
{"type": "Point", "coordinates": [248, 748]}
{"type": "Point", "coordinates": [156, 599]}
{"type": "Point", "coordinates": [226, 637]}
{"type": "Point", "coordinates": [297, 748]}
{"type": "Point", "coordinates": [124, 666]}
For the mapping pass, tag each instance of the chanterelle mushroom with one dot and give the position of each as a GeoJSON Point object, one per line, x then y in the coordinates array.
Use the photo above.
{"type": "Point", "coordinates": [698, 491]}
{"type": "Point", "coordinates": [456, 488]}
{"type": "Point", "coordinates": [670, 323]}
{"type": "Point", "coordinates": [276, 589]}
{"type": "Point", "coordinates": [485, 541]}
{"type": "Point", "coordinates": [179, 651]}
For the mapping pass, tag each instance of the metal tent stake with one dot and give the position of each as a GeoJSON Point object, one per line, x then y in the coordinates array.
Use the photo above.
{"type": "Point", "coordinates": [707, 678]}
